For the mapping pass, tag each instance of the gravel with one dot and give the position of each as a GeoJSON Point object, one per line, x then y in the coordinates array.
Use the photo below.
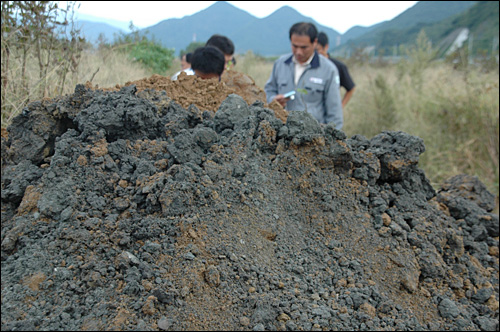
{"type": "Point", "coordinates": [122, 210]}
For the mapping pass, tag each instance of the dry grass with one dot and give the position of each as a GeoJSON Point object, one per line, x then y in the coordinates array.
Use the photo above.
{"type": "Point", "coordinates": [105, 70]}
{"type": "Point", "coordinates": [454, 112]}
{"type": "Point", "coordinates": [110, 69]}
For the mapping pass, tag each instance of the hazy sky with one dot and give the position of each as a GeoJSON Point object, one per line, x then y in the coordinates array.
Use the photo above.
{"type": "Point", "coordinates": [338, 15]}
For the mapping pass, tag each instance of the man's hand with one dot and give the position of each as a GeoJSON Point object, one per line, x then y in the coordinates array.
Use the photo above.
{"type": "Point", "coordinates": [281, 99]}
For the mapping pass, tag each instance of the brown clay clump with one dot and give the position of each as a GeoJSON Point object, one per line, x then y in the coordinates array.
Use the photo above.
{"type": "Point", "coordinates": [206, 94]}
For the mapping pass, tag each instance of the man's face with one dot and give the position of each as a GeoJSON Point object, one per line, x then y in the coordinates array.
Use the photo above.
{"type": "Point", "coordinates": [323, 50]}
{"type": "Point", "coordinates": [302, 47]}
{"type": "Point", "coordinates": [228, 58]}
{"type": "Point", "coordinates": [184, 63]}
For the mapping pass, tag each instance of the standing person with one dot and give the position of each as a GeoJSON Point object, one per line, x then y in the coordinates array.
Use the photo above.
{"type": "Point", "coordinates": [345, 79]}
{"type": "Point", "coordinates": [314, 78]}
{"type": "Point", "coordinates": [186, 61]}
{"type": "Point", "coordinates": [208, 62]}
{"type": "Point", "coordinates": [226, 46]}
{"type": "Point", "coordinates": [185, 66]}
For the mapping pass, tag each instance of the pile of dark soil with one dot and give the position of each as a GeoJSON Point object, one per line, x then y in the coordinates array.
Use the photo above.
{"type": "Point", "coordinates": [124, 210]}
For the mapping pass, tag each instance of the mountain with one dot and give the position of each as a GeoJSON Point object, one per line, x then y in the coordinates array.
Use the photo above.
{"type": "Point", "coordinates": [92, 30]}
{"type": "Point", "coordinates": [398, 30]}
{"type": "Point", "coordinates": [426, 12]}
{"type": "Point", "coordinates": [124, 26]}
{"type": "Point", "coordinates": [270, 35]}
{"type": "Point", "coordinates": [357, 31]}
{"type": "Point", "coordinates": [482, 22]}
{"type": "Point", "coordinates": [220, 18]}
{"type": "Point", "coordinates": [267, 36]}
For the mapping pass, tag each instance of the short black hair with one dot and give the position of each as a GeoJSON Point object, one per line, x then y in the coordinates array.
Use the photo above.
{"type": "Point", "coordinates": [304, 29]}
{"type": "Point", "coordinates": [187, 55]}
{"type": "Point", "coordinates": [208, 60]}
{"type": "Point", "coordinates": [224, 44]}
{"type": "Point", "coordinates": [322, 39]}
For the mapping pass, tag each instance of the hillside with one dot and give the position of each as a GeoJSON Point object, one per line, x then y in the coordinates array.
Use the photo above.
{"type": "Point", "coordinates": [93, 30]}
{"type": "Point", "coordinates": [436, 17]}
{"type": "Point", "coordinates": [356, 32]}
{"type": "Point", "coordinates": [481, 20]}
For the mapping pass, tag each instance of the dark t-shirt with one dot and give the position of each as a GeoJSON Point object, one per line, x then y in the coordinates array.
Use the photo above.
{"type": "Point", "coordinates": [345, 78]}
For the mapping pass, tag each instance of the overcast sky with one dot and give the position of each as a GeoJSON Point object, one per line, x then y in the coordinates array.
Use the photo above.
{"type": "Point", "coordinates": [338, 15]}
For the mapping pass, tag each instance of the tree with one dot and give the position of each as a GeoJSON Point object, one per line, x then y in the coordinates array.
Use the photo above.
{"type": "Point", "coordinates": [40, 34]}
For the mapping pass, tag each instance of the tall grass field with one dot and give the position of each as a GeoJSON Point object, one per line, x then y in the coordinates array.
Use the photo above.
{"type": "Point", "coordinates": [453, 108]}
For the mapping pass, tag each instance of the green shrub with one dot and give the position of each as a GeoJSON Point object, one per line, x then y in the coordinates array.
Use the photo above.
{"type": "Point", "coordinates": [152, 56]}
{"type": "Point", "coordinates": [149, 53]}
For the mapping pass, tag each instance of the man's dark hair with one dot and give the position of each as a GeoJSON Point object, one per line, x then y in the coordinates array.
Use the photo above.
{"type": "Point", "coordinates": [208, 60]}
{"type": "Point", "coordinates": [187, 55]}
{"type": "Point", "coordinates": [222, 43]}
{"type": "Point", "coordinates": [322, 39]}
{"type": "Point", "coordinates": [304, 29]}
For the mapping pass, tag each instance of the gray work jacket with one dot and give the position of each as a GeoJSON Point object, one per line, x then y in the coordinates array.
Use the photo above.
{"type": "Point", "coordinates": [320, 80]}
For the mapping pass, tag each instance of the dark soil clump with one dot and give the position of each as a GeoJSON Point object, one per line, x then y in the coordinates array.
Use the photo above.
{"type": "Point", "coordinates": [124, 210]}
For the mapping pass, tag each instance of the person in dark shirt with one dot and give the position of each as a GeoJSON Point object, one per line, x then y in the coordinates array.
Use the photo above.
{"type": "Point", "coordinates": [345, 79]}
{"type": "Point", "coordinates": [226, 46]}
{"type": "Point", "coordinates": [208, 62]}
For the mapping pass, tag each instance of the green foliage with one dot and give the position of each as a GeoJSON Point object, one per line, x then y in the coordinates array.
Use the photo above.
{"type": "Point", "coordinates": [148, 53]}
{"type": "Point", "coordinates": [192, 47]}
{"type": "Point", "coordinates": [152, 55]}
{"type": "Point", "coordinates": [384, 104]}
{"type": "Point", "coordinates": [419, 57]}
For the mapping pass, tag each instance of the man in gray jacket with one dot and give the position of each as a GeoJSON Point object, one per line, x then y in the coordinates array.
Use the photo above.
{"type": "Point", "coordinates": [314, 78]}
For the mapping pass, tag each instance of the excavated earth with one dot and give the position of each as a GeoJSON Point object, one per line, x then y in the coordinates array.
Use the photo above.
{"type": "Point", "coordinates": [194, 205]}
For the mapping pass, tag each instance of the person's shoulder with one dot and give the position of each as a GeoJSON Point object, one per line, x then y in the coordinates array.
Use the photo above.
{"type": "Point", "coordinates": [284, 57]}
{"type": "Point", "coordinates": [325, 62]}
{"type": "Point", "coordinates": [338, 63]}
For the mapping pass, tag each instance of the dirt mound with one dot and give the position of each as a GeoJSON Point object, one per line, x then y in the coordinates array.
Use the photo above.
{"type": "Point", "coordinates": [205, 94]}
{"type": "Point", "coordinates": [135, 210]}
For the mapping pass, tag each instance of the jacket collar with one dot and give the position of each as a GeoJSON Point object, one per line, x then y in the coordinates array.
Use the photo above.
{"type": "Point", "coordinates": [314, 61]}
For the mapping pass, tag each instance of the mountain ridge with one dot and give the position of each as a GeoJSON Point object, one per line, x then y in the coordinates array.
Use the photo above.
{"type": "Point", "coordinates": [218, 18]}
{"type": "Point", "coordinates": [480, 20]}
{"type": "Point", "coordinates": [423, 12]}
{"type": "Point", "coordinates": [268, 36]}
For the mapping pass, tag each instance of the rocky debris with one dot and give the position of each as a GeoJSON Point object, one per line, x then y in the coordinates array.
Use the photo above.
{"type": "Point", "coordinates": [125, 210]}
{"type": "Point", "coordinates": [208, 95]}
